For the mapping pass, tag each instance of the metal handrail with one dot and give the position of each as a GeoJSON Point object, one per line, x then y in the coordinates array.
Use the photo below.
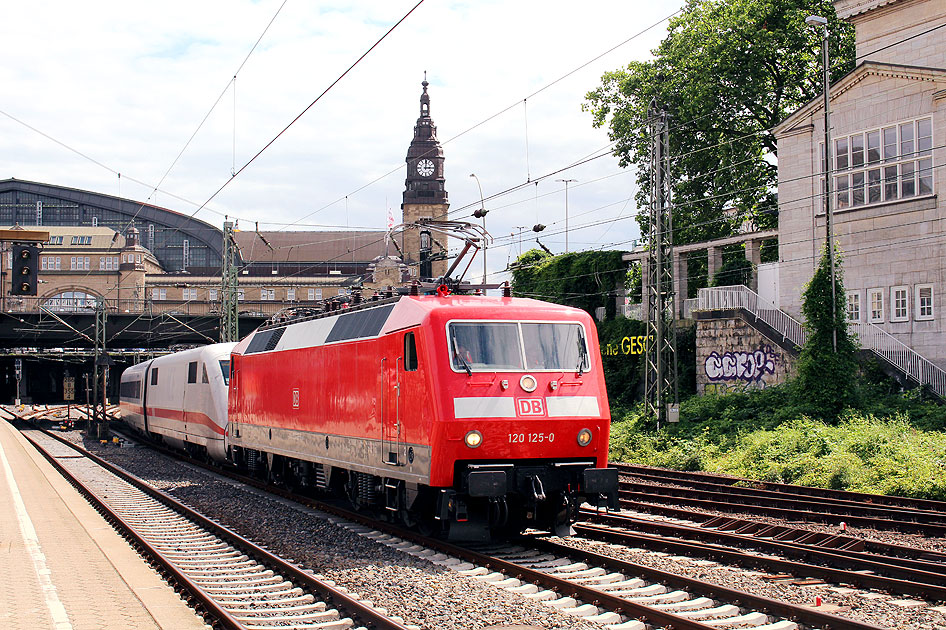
{"type": "Point", "coordinates": [901, 356]}
{"type": "Point", "coordinates": [714, 298]}
{"type": "Point", "coordinates": [869, 336]}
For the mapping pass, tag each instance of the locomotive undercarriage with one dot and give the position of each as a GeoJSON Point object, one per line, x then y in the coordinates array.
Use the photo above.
{"type": "Point", "coordinates": [489, 498]}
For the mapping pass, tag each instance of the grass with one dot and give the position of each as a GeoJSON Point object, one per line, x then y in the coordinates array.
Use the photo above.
{"type": "Point", "coordinates": [893, 444]}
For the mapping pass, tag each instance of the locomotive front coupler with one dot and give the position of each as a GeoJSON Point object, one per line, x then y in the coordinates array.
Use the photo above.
{"type": "Point", "coordinates": [598, 482]}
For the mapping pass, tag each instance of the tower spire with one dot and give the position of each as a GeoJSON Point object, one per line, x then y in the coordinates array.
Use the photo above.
{"type": "Point", "coordinates": [425, 99]}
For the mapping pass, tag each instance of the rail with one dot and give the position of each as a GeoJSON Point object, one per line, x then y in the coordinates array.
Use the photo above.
{"type": "Point", "coordinates": [148, 307]}
{"type": "Point", "coordinates": [870, 337]}
{"type": "Point", "coordinates": [901, 356]}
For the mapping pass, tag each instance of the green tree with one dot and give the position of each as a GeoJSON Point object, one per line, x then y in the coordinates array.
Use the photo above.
{"type": "Point", "coordinates": [580, 279]}
{"type": "Point", "coordinates": [827, 379]}
{"type": "Point", "coordinates": [727, 73]}
{"type": "Point", "coordinates": [736, 270]}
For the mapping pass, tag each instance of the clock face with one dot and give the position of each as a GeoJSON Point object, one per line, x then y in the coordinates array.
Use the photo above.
{"type": "Point", "coordinates": [425, 168]}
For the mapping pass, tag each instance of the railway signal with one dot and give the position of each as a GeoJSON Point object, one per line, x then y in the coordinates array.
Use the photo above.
{"type": "Point", "coordinates": [25, 270]}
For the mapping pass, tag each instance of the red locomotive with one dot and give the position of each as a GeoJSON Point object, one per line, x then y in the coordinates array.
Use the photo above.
{"type": "Point", "coordinates": [456, 412]}
{"type": "Point", "coordinates": [443, 409]}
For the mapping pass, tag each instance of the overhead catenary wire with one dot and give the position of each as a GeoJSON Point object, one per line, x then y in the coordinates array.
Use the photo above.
{"type": "Point", "coordinates": [308, 107]}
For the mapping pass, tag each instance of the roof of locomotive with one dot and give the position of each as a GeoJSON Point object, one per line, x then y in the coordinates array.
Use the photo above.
{"type": "Point", "coordinates": [412, 310]}
{"type": "Point", "coordinates": [372, 320]}
{"type": "Point", "coordinates": [206, 353]}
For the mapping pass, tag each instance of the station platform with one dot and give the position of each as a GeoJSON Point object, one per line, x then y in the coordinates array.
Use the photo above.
{"type": "Point", "coordinates": [62, 566]}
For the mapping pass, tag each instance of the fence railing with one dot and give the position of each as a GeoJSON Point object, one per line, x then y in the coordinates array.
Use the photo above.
{"type": "Point", "coordinates": [263, 308]}
{"type": "Point", "coordinates": [901, 356]}
{"type": "Point", "coordinates": [715, 298]}
{"type": "Point", "coordinates": [869, 336]}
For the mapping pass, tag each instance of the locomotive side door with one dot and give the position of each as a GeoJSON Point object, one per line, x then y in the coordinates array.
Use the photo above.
{"type": "Point", "coordinates": [390, 411]}
{"type": "Point", "coordinates": [145, 387]}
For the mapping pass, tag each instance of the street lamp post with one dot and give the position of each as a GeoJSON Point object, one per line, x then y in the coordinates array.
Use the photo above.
{"type": "Point", "coordinates": [566, 182]}
{"type": "Point", "coordinates": [481, 214]}
{"type": "Point", "coordinates": [816, 21]}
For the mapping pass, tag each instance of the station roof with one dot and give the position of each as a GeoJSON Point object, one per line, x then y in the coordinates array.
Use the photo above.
{"type": "Point", "coordinates": [305, 246]}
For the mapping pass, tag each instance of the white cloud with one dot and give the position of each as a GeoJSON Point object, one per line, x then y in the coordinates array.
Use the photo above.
{"type": "Point", "coordinates": [127, 84]}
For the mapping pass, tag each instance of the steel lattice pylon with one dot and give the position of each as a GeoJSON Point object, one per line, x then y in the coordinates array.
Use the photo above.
{"type": "Point", "coordinates": [660, 368]}
{"type": "Point", "coordinates": [98, 426]}
{"type": "Point", "coordinates": [229, 317]}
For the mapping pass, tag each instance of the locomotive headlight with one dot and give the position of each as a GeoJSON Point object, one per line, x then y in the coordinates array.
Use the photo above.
{"type": "Point", "coordinates": [584, 437]}
{"type": "Point", "coordinates": [473, 439]}
{"type": "Point", "coordinates": [528, 383]}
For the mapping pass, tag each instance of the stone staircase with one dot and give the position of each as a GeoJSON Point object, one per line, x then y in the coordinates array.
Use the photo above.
{"type": "Point", "coordinates": [870, 337]}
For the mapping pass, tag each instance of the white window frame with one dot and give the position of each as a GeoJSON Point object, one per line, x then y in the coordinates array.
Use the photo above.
{"type": "Point", "coordinates": [212, 295]}
{"type": "Point", "coordinates": [902, 173]}
{"type": "Point", "coordinates": [318, 294]}
{"type": "Point", "coordinates": [918, 303]}
{"type": "Point", "coordinates": [871, 294]}
{"type": "Point", "coordinates": [158, 294]}
{"type": "Point", "coordinates": [853, 311]}
{"type": "Point", "coordinates": [43, 261]}
{"type": "Point", "coordinates": [290, 295]}
{"type": "Point", "coordinates": [311, 295]}
{"type": "Point", "coordinates": [896, 292]}
{"type": "Point", "coordinates": [241, 295]}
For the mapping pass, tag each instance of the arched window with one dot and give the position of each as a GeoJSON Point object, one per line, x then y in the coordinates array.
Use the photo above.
{"type": "Point", "coordinates": [71, 301]}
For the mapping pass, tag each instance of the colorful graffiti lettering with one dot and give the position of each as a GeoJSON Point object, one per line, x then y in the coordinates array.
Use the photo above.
{"type": "Point", "coordinates": [741, 366]}
{"type": "Point", "coordinates": [628, 345]}
{"type": "Point", "coordinates": [729, 388]}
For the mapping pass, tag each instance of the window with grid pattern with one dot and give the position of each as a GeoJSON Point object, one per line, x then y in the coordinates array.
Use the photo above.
{"type": "Point", "coordinates": [899, 304]}
{"type": "Point", "coordinates": [876, 299]}
{"type": "Point", "coordinates": [924, 301]}
{"type": "Point", "coordinates": [886, 164]}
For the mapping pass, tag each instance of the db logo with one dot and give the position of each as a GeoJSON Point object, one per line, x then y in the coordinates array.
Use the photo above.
{"type": "Point", "coordinates": [295, 399]}
{"type": "Point", "coordinates": [530, 406]}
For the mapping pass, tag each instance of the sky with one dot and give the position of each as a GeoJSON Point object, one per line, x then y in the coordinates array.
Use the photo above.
{"type": "Point", "coordinates": [94, 90]}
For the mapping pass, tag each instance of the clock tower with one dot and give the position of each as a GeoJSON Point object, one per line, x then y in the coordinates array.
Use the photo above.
{"type": "Point", "coordinates": [424, 195]}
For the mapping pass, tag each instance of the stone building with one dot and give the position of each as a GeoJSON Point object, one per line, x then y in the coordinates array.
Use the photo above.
{"type": "Point", "coordinates": [888, 130]}
{"type": "Point", "coordinates": [139, 257]}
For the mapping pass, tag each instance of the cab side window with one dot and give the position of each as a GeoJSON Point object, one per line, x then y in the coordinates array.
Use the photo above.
{"type": "Point", "coordinates": [154, 376]}
{"type": "Point", "coordinates": [192, 372]}
{"type": "Point", "coordinates": [410, 352]}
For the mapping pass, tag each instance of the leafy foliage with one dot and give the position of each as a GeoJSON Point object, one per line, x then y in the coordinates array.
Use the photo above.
{"type": "Point", "coordinates": [827, 375]}
{"type": "Point", "coordinates": [734, 272]}
{"type": "Point", "coordinates": [764, 435]}
{"type": "Point", "coordinates": [623, 370]}
{"type": "Point", "coordinates": [727, 73]}
{"type": "Point", "coordinates": [581, 279]}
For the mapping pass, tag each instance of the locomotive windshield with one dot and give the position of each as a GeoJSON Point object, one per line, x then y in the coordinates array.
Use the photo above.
{"type": "Point", "coordinates": [225, 370]}
{"type": "Point", "coordinates": [510, 346]}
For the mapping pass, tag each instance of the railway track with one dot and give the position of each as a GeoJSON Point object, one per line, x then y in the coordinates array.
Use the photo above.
{"type": "Point", "coordinates": [622, 597]}
{"type": "Point", "coordinates": [784, 559]}
{"type": "Point", "coordinates": [234, 582]}
{"type": "Point", "coordinates": [614, 593]}
{"type": "Point", "coordinates": [641, 487]}
{"type": "Point", "coordinates": [782, 489]}
{"type": "Point", "coordinates": [619, 594]}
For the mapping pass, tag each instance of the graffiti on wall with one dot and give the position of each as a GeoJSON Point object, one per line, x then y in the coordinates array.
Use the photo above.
{"type": "Point", "coordinates": [744, 367]}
